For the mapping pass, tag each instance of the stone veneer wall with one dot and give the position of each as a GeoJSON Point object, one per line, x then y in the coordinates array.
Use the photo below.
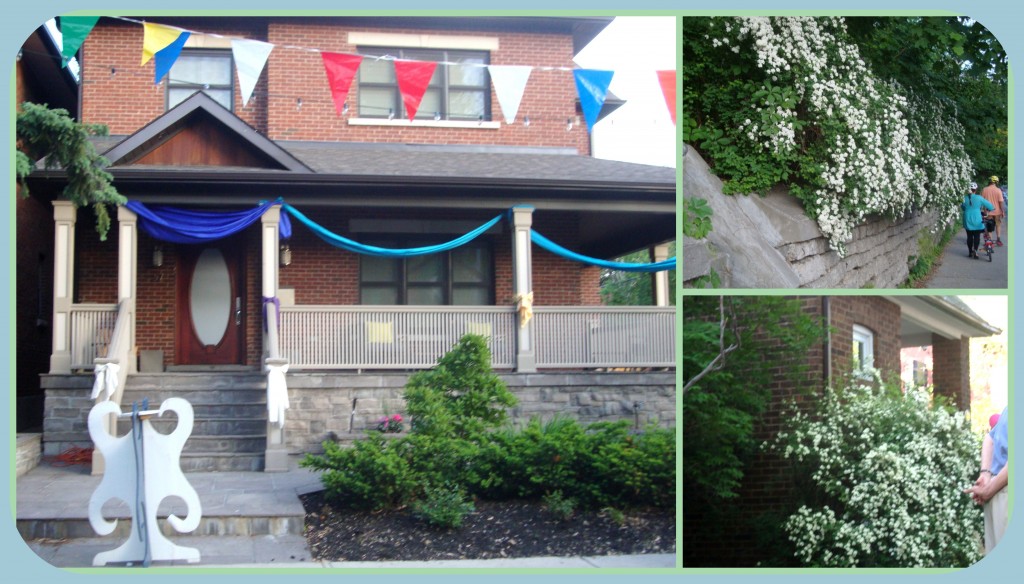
{"type": "Point", "coordinates": [322, 403]}
{"type": "Point", "coordinates": [769, 242]}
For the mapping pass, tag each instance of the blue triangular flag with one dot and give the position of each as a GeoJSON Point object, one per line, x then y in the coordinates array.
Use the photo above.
{"type": "Point", "coordinates": [592, 87]}
{"type": "Point", "coordinates": [165, 58]}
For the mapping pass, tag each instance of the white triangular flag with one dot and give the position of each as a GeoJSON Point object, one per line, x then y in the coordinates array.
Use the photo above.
{"type": "Point", "coordinates": [250, 58]}
{"type": "Point", "coordinates": [509, 83]}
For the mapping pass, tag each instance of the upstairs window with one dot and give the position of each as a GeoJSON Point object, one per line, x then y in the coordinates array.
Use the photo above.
{"type": "Point", "coordinates": [208, 71]}
{"type": "Point", "coordinates": [460, 91]}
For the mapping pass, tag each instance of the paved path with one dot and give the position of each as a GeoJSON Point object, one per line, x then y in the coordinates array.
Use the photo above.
{"type": "Point", "coordinates": [958, 272]}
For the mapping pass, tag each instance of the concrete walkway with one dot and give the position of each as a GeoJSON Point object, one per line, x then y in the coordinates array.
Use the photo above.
{"type": "Point", "coordinates": [250, 519]}
{"type": "Point", "coordinates": [958, 272]}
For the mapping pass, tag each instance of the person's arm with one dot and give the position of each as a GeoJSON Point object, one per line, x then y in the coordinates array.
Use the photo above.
{"type": "Point", "coordinates": [996, 484]}
{"type": "Point", "coordinates": [988, 447]}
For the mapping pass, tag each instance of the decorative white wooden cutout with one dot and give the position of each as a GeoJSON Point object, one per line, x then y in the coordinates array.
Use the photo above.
{"type": "Point", "coordinates": [160, 475]}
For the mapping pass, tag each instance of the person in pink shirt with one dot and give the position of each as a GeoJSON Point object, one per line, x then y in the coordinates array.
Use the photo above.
{"type": "Point", "coordinates": [994, 195]}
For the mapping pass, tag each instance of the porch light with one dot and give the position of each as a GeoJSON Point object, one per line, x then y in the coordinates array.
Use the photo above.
{"type": "Point", "coordinates": [286, 255]}
{"type": "Point", "coordinates": [568, 125]}
{"type": "Point", "coordinates": [158, 256]}
{"type": "Point", "coordinates": [344, 109]}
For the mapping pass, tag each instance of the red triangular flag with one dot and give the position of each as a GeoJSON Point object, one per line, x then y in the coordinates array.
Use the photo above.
{"type": "Point", "coordinates": [668, 88]}
{"type": "Point", "coordinates": [341, 69]}
{"type": "Point", "coordinates": [413, 78]}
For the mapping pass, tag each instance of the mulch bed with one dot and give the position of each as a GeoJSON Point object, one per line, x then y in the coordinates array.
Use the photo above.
{"type": "Point", "coordinates": [497, 529]}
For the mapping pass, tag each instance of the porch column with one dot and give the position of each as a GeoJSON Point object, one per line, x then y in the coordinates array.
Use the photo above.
{"type": "Point", "coordinates": [127, 273]}
{"type": "Point", "coordinates": [522, 287]}
{"type": "Point", "coordinates": [951, 377]}
{"type": "Point", "coordinates": [64, 216]}
{"type": "Point", "coordinates": [659, 253]}
{"type": "Point", "coordinates": [275, 458]}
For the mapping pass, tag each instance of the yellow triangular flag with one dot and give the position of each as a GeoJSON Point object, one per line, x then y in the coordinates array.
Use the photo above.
{"type": "Point", "coordinates": [155, 38]}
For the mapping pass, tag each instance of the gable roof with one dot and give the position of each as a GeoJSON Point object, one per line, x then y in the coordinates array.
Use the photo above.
{"type": "Point", "coordinates": [196, 109]}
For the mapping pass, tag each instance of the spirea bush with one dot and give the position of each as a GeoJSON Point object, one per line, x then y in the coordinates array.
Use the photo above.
{"type": "Point", "coordinates": [789, 100]}
{"type": "Point", "coordinates": [889, 470]}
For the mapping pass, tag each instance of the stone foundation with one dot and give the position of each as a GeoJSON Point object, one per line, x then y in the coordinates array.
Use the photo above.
{"type": "Point", "coordinates": [769, 242]}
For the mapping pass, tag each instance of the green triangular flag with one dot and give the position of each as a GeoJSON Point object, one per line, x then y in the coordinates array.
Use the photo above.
{"type": "Point", "coordinates": [74, 29]}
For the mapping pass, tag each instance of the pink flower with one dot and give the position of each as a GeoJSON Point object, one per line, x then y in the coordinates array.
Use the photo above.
{"type": "Point", "coordinates": [396, 418]}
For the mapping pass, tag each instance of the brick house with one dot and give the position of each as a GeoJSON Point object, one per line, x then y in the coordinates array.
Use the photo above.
{"type": "Point", "coordinates": [865, 331]}
{"type": "Point", "coordinates": [209, 320]}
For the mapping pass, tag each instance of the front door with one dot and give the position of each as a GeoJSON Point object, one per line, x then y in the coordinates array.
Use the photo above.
{"type": "Point", "coordinates": [211, 304]}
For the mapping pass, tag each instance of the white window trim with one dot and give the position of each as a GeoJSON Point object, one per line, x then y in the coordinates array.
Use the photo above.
{"type": "Point", "coordinates": [460, 124]}
{"type": "Point", "coordinates": [866, 338]}
{"type": "Point", "coordinates": [423, 41]}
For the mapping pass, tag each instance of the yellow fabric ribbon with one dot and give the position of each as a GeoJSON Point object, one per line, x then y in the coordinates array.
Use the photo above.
{"type": "Point", "coordinates": [524, 304]}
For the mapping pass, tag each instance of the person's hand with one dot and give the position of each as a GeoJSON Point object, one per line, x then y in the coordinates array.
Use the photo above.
{"type": "Point", "coordinates": [979, 491]}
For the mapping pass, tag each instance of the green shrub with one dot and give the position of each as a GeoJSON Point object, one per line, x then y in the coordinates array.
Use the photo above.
{"type": "Point", "coordinates": [373, 474]}
{"type": "Point", "coordinates": [460, 397]}
{"type": "Point", "coordinates": [445, 506]}
{"type": "Point", "coordinates": [560, 506]}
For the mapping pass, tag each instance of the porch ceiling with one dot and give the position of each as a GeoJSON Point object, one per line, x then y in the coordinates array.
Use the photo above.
{"type": "Point", "coordinates": [946, 316]}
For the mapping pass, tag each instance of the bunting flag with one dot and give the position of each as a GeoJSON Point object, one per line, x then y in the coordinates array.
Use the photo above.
{"type": "Point", "coordinates": [413, 78]}
{"type": "Point", "coordinates": [509, 85]}
{"type": "Point", "coordinates": [592, 88]}
{"type": "Point", "coordinates": [250, 58]}
{"type": "Point", "coordinates": [73, 30]}
{"type": "Point", "coordinates": [341, 69]}
{"type": "Point", "coordinates": [165, 58]}
{"type": "Point", "coordinates": [156, 37]}
{"type": "Point", "coordinates": [667, 79]}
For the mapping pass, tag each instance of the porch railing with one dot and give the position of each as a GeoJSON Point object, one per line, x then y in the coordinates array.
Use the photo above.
{"type": "Point", "coordinates": [605, 336]}
{"type": "Point", "coordinates": [392, 337]}
{"type": "Point", "coordinates": [92, 331]}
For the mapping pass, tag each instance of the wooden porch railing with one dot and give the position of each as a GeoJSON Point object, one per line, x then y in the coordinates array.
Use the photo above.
{"type": "Point", "coordinates": [604, 336]}
{"type": "Point", "coordinates": [92, 330]}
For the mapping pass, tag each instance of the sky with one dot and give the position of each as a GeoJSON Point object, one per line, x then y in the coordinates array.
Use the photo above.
{"type": "Point", "coordinates": [635, 47]}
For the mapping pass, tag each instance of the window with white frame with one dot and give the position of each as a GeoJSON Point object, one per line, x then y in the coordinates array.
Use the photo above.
{"type": "Point", "coordinates": [209, 71]}
{"type": "Point", "coordinates": [863, 349]}
{"type": "Point", "coordinates": [459, 90]}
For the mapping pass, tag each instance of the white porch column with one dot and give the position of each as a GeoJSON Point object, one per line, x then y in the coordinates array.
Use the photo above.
{"type": "Point", "coordinates": [659, 253]}
{"type": "Point", "coordinates": [522, 287]}
{"type": "Point", "coordinates": [64, 217]}
{"type": "Point", "coordinates": [127, 272]}
{"type": "Point", "coordinates": [275, 458]}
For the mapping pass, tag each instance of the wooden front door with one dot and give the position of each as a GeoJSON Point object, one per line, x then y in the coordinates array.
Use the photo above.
{"type": "Point", "coordinates": [211, 304]}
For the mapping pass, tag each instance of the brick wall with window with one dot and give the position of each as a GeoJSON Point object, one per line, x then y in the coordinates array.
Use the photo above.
{"type": "Point", "coordinates": [293, 101]}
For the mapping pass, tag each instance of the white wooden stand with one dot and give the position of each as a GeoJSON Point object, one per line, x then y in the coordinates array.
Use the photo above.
{"type": "Point", "coordinates": [142, 471]}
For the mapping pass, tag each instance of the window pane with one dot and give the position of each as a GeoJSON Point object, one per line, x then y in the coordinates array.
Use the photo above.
{"type": "Point", "coordinates": [378, 269]}
{"type": "Point", "coordinates": [374, 71]}
{"type": "Point", "coordinates": [431, 103]}
{"type": "Point", "coordinates": [376, 101]}
{"type": "Point", "coordinates": [378, 294]}
{"type": "Point", "coordinates": [426, 295]}
{"type": "Point", "coordinates": [466, 104]}
{"type": "Point", "coordinates": [202, 69]}
{"type": "Point", "coordinates": [471, 296]}
{"type": "Point", "coordinates": [426, 268]}
{"type": "Point", "coordinates": [471, 265]}
{"type": "Point", "coordinates": [176, 95]}
{"type": "Point", "coordinates": [467, 75]}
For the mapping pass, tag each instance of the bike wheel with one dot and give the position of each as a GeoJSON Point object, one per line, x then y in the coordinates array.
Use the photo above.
{"type": "Point", "coordinates": [990, 255]}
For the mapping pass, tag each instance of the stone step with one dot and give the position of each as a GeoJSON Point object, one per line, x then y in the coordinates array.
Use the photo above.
{"type": "Point", "coordinates": [227, 444]}
{"type": "Point", "coordinates": [214, 426]}
{"type": "Point", "coordinates": [220, 462]}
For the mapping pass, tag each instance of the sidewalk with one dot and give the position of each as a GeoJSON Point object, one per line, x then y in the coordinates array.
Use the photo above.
{"type": "Point", "coordinates": [957, 271]}
{"type": "Point", "coordinates": [250, 520]}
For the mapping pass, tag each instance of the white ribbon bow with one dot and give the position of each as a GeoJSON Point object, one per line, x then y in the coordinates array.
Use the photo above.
{"type": "Point", "coordinates": [277, 394]}
{"type": "Point", "coordinates": [106, 380]}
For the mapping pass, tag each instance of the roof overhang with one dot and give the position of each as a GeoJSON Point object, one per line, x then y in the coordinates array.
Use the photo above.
{"type": "Point", "coordinates": [923, 316]}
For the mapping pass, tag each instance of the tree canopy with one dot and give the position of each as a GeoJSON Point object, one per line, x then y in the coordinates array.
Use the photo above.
{"type": "Point", "coordinates": [51, 135]}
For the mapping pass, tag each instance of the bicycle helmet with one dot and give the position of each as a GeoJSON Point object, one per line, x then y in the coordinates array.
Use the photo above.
{"type": "Point", "coordinates": [974, 186]}
{"type": "Point", "coordinates": [994, 179]}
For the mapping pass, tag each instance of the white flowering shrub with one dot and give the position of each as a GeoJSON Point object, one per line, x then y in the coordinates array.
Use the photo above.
{"type": "Point", "coordinates": [889, 471]}
{"type": "Point", "coordinates": [790, 100]}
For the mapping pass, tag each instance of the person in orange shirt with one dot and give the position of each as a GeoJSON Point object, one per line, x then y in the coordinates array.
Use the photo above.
{"type": "Point", "coordinates": [994, 195]}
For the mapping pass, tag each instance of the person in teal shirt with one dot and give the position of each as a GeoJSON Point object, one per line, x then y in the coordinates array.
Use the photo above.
{"type": "Point", "coordinates": [973, 221]}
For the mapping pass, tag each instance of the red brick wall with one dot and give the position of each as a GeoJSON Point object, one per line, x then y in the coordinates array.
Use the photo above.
{"type": "Point", "coordinates": [952, 373]}
{"type": "Point", "coordinates": [128, 100]}
{"type": "Point", "coordinates": [878, 315]}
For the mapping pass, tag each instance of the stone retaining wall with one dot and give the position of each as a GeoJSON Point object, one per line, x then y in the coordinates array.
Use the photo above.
{"type": "Point", "coordinates": [769, 242]}
{"type": "Point", "coordinates": [322, 403]}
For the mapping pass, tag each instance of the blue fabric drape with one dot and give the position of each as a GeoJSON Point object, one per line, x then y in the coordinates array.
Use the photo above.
{"type": "Point", "coordinates": [353, 246]}
{"type": "Point", "coordinates": [545, 243]}
{"type": "Point", "coordinates": [194, 226]}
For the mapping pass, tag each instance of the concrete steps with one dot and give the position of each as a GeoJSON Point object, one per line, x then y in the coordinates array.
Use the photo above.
{"type": "Point", "coordinates": [229, 428]}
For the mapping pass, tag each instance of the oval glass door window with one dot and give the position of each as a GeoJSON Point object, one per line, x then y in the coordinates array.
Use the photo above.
{"type": "Point", "coordinates": [210, 297]}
